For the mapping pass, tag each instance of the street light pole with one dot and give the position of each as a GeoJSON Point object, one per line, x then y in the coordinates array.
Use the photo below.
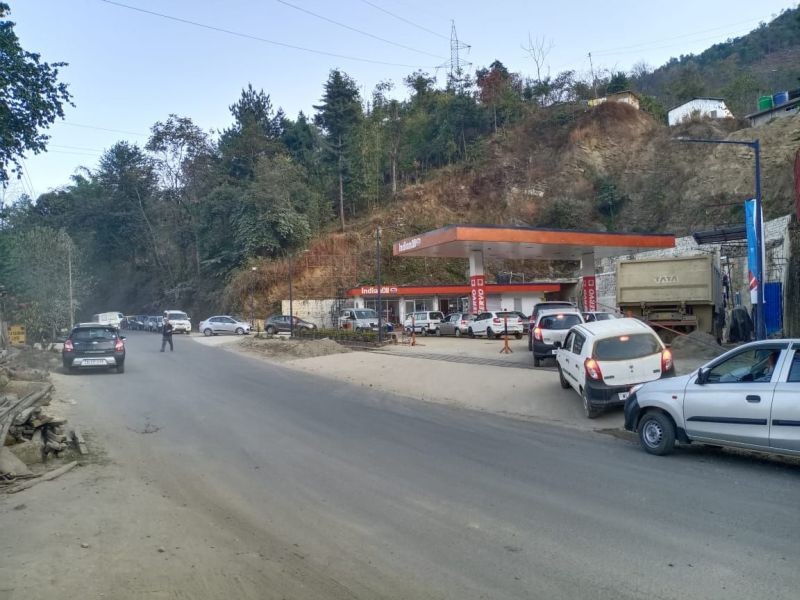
{"type": "Point", "coordinates": [252, 285]}
{"type": "Point", "coordinates": [378, 276]}
{"type": "Point", "coordinates": [291, 308]}
{"type": "Point", "coordinates": [761, 331]}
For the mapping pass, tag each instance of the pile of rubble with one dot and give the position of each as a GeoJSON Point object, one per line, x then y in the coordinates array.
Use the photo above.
{"type": "Point", "coordinates": [28, 434]}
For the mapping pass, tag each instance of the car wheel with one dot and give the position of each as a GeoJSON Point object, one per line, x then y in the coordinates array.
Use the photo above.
{"type": "Point", "coordinates": [561, 379]}
{"type": "Point", "coordinates": [271, 330]}
{"type": "Point", "coordinates": [518, 336]}
{"type": "Point", "coordinates": [438, 332]}
{"type": "Point", "coordinates": [121, 367]}
{"type": "Point", "coordinates": [207, 332]}
{"type": "Point", "coordinates": [657, 433]}
{"type": "Point", "coordinates": [424, 331]}
{"type": "Point", "coordinates": [591, 412]}
{"type": "Point", "coordinates": [471, 333]}
{"type": "Point", "coordinates": [489, 333]}
{"type": "Point", "coordinates": [458, 332]}
{"type": "Point", "coordinates": [239, 331]}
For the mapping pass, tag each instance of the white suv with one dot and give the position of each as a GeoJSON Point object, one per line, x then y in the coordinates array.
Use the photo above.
{"type": "Point", "coordinates": [603, 360]}
{"type": "Point", "coordinates": [180, 321]}
{"type": "Point", "coordinates": [493, 324]}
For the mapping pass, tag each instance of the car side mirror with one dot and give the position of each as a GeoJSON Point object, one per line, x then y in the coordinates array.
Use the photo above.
{"type": "Point", "coordinates": [557, 344]}
{"type": "Point", "coordinates": [122, 337]}
{"type": "Point", "coordinates": [702, 376]}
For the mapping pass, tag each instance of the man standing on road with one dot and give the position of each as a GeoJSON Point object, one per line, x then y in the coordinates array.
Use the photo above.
{"type": "Point", "coordinates": [166, 335]}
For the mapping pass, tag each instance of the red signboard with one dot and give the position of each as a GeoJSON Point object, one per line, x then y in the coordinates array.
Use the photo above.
{"type": "Point", "coordinates": [589, 292]}
{"type": "Point", "coordinates": [477, 293]}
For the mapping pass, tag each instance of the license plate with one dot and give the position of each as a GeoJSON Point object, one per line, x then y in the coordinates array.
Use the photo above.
{"type": "Point", "coordinates": [624, 395]}
{"type": "Point", "coordinates": [553, 352]}
{"type": "Point", "coordinates": [93, 362]}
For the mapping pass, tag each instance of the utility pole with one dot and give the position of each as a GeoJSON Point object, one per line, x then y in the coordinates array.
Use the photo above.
{"type": "Point", "coordinates": [71, 300]}
{"type": "Point", "coordinates": [456, 65]}
{"type": "Point", "coordinates": [594, 81]}
{"type": "Point", "coordinates": [378, 277]}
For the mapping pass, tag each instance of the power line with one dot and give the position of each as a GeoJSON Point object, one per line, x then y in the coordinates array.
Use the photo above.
{"type": "Point", "coordinates": [676, 37]}
{"type": "Point", "coordinates": [667, 46]}
{"type": "Point", "coordinates": [337, 23]}
{"type": "Point", "coordinates": [101, 128]}
{"type": "Point", "coordinates": [28, 178]}
{"type": "Point", "coordinates": [257, 38]}
{"type": "Point", "coordinates": [404, 20]}
{"type": "Point", "coordinates": [98, 150]}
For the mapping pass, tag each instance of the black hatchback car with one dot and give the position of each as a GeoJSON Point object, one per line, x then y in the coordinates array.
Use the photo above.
{"type": "Point", "coordinates": [92, 346]}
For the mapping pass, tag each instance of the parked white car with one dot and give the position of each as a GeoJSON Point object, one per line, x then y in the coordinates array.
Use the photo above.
{"type": "Point", "coordinates": [550, 328]}
{"type": "Point", "coordinates": [424, 322]}
{"type": "Point", "coordinates": [493, 324]}
{"type": "Point", "coordinates": [601, 361]}
{"type": "Point", "coordinates": [223, 324]}
{"type": "Point", "coordinates": [746, 398]}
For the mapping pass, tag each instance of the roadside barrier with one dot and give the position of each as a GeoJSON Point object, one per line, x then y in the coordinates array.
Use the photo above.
{"type": "Point", "coordinates": [506, 349]}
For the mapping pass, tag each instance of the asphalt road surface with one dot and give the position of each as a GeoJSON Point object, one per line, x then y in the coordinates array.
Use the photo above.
{"type": "Point", "coordinates": [298, 487]}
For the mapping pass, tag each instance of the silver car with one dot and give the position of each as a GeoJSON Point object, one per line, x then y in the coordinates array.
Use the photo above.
{"type": "Point", "coordinates": [746, 398]}
{"type": "Point", "coordinates": [456, 324]}
{"type": "Point", "coordinates": [223, 324]}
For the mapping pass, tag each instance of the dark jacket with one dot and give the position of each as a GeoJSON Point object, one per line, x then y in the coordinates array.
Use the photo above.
{"type": "Point", "coordinates": [166, 330]}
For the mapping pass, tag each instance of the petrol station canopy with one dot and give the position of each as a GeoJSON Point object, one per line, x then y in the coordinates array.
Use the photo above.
{"type": "Point", "coordinates": [502, 242]}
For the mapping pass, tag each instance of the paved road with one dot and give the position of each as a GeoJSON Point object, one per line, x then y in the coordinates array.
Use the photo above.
{"type": "Point", "coordinates": [334, 491]}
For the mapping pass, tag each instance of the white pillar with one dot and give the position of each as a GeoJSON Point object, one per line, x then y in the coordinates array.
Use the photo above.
{"type": "Point", "coordinates": [477, 282]}
{"type": "Point", "coordinates": [589, 285]}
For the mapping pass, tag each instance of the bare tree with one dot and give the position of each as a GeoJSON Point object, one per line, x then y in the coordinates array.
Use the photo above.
{"type": "Point", "coordinates": [539, 49]}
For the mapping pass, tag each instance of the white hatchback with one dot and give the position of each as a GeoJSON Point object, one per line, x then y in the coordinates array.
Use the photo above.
{"type": "Point", "coordinates": [496, 323]}
{"type": "Point", "coordinates": [603, 360]}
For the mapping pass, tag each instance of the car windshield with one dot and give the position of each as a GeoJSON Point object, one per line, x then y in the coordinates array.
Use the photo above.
{"type": "Point", "coordinates": [95, 333]}
{"type": "Point", "coordinates": [366, 314]}
{"type": "Point", "coordinates": [625, 347]}
{"type": "Point", "coordinates": [602, 316]}
{"type": "Point", "coordinates": [177, 316]}
{"type": "Point", "coordinates": [560, 321]}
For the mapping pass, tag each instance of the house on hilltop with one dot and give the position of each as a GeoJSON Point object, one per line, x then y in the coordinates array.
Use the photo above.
{"type": "Point", "coordinates": [710, 108]}
{"type": "Point", "coordinates": [785, 109]}
{"type": "Point", "coordinates": [625, 96]}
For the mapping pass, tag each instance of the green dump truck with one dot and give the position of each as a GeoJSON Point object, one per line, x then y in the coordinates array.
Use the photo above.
{"type": "Point", "coordinates": [678, 293]}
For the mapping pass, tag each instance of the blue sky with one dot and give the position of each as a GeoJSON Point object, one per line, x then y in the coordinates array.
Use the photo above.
{"type": "Point", "coordinates": [128, 69]}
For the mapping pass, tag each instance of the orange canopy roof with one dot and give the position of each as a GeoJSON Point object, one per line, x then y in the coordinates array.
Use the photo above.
{"type": "Point", "coordinates": [458, 241]}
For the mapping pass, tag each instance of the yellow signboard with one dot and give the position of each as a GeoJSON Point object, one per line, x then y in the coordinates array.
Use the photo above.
{"type": "Point", "coordinates": [17, 334]}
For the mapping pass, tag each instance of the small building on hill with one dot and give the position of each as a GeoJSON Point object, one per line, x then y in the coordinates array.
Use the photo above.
{"type": "Point", "coordinates": [787, 109]}
{"type": "Point", "coordinates": [709, 108]}
{"type": "Point", "coordinates": [625, 96]}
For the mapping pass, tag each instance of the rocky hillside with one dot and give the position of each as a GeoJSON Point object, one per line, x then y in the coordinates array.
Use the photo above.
{"type": "Point", "coordinates": [609, 168]}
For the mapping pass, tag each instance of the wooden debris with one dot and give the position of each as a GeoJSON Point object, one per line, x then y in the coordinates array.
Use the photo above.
{"type": "Point", "coordinates": [47, 477]}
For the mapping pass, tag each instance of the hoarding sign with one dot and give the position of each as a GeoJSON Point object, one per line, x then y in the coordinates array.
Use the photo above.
{"type": "Point", "coordinates": [753, 275]}
{"type": "Point", "coordinates": [589, 293]}
{"type": "Point", "coordinates": [477, 293]}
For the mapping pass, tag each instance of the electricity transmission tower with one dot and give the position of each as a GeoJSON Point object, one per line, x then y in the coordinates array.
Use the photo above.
{"type": "Point", "coordinates": [456, 66]}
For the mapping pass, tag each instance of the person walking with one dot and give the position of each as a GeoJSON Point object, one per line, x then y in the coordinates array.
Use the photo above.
{"type": "Point", "coordinates": [166, 335]}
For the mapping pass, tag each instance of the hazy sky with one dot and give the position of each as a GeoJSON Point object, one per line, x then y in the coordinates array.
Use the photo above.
{"type": "Point", "coordinates": [128, 69]}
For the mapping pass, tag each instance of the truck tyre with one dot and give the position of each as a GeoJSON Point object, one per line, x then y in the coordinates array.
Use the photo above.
{"type": "Point", "coordinates": [592, 412]}
{"type": "Point", "coordinates": [657, 433]}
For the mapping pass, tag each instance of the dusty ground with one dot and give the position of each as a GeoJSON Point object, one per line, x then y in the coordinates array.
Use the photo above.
{"type": "Point", "coordinates": [284, 348]}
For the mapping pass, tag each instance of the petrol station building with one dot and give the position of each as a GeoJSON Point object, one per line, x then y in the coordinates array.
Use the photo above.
{"type": "Point", "coordinates": [477, 243]}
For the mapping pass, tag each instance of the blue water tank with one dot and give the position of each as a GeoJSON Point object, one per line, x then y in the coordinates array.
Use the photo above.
{"type": "Point", "coordinates": [780, 98]}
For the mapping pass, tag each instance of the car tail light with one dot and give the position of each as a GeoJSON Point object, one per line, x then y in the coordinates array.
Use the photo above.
{"type": "Point", "coordinates": [119, 346]}
{"type": "Point", "coordinates": [463, 322]}
{"type": "Point", "coordinates": [537, 333]}
{"type": "Point", "coordinates": [666, 361]}
{"type": "Point", "coordinates": [68, 346]}
{"type": "Point", "coordinates": [497, 321]}
{"type": "Point", "coordinates": [593, 369]}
